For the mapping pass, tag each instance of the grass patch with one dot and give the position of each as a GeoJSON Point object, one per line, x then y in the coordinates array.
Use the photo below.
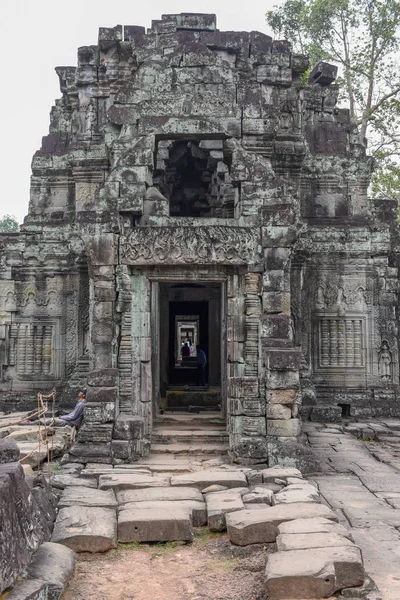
{"type": "Point", "coordinates": [204, 535]}
{"type": "Point", "coordinates": [164, 548]}
{"type": "Point", "coordinates": [132, 546]}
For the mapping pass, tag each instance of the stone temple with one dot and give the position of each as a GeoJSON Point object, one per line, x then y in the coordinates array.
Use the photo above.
{"type": "Point", "coordinates": [194, 186]}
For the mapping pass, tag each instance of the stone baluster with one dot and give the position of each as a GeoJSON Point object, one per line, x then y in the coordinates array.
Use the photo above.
{"type": "Point", "coordinates": [47, 338]}
{"type": "Point", "coordinates": [30, 351]}
{"type": "Point", "coordinates": [333, 350]}
{"type": "Point", "coordinates": [349, 343]}
{"type": "Point", "coordinates": [253, 312]}
{"type": "Point", "coordinates": [358, 361]}
{"type": "Point", "coordinates": [341, 343]}
{"type": "Point", "coordinates": [324, 343]}
{"type": "Point", "coordinates": [13, 343]}
{"type": "Point", "coordinates": [21, 348]}
{"type": "Point", "coordinates": [38, 341]}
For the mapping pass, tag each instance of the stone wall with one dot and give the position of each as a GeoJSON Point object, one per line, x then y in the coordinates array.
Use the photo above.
{"type": "Point", "coordinates": [27, 512]}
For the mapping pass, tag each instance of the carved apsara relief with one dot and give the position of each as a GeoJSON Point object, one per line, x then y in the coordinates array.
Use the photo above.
{"type": "Point", "coordinates": [191, 245]}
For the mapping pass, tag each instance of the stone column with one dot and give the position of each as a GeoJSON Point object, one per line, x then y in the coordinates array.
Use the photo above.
{"type": "Point", "coordinates": [281, 360]}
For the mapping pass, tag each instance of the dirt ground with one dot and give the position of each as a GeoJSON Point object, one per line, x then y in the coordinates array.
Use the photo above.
{"type": "Point", "coordinates": [208, 569]}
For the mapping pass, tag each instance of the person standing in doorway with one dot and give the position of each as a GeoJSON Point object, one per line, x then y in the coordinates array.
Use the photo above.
{"type": "Point", "coordinates": [201, 366]}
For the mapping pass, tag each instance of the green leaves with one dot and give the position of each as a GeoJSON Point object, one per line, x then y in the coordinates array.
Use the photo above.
{"type": "Point", "coordinates": [362, 38]}
{"type": "Point", "coordinates": [8, 224]}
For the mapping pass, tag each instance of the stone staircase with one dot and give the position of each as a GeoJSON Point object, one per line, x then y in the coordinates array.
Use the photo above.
{"type": "Point", "coordinates": [190, 434]}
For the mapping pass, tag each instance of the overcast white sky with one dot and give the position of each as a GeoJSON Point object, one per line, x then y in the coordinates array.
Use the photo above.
{"type": "Point", "coordinates": [38, 35]}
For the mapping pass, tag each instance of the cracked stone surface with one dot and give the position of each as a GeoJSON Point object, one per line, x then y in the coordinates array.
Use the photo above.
{"type": "Point", "coordinates": [360, 480]}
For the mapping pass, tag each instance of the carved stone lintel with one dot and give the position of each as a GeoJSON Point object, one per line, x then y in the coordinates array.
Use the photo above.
{"type": "Point", "coordinates": [191, 245]}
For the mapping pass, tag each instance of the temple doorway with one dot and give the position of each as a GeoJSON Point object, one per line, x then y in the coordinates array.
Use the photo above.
{"type": "Point", "coordinates": [190, 316]}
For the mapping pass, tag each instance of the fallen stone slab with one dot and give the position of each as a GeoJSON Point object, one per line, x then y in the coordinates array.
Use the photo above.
{"type": "Point", "coordinates": [269, 475]}
{"type": "Point", "coordinates": [159, 493]}
{"type": "Point", "coordinates": [260, 526]}
{"type": "Point", "coordinates": [315, 573]}
{"type": "Point", "coordinates": [34, 589]}
{"type": "Point", "coordinates": [255, 506]}
{"type": "Point", "coordinates": [53, 564]}
{"type": "Point", "coordinates": [155, 524]}
{"type": "Point", "coordinates": [315, 525]}
{"type": "Point", "coordinates": [220, 504]}
{"type": "Point", "coordinates": [86, 529]}
{"type": "Point", "coordinates": [203, 479]}
{"type": "Point", "coordinates": [214, 488]}
{"type": "Point", "coordinates": [90, 497]}
{"type": "Point", "coordinates": [259, 495]}
{"type": "Point", "coordinates": [130, 481]}
{"type": "Point", "coordinates": [297, 493]}
{"type": "Point", "coordinates": [302, 541]}
{"type": "Point", "coordinates": [63, 481]}
{"type": "Point", "coordinates": [197, 509]}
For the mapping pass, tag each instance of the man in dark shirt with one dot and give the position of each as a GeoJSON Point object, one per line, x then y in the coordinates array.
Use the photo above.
{"type": "Point", "coordinates": [201, 366]}
{"type": "Point", "coordinates": [73, 419]}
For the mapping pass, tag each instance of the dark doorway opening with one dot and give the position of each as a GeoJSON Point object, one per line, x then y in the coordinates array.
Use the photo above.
{"type": "Point", "coordinates": [345, 410]}
{"type": "Point", "coordinates": [190, 314]}
{"type": "Point", "coordinates": [182, 370]}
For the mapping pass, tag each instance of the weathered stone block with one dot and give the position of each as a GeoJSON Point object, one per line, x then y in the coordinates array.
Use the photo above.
{"type": "Point", "coordinates": [261, 526]}
{"type": "Point", "coordinates": [103, 378]}
{"type": "Point", "coordinates": [99, 412]}
{"type": "Point", "coordinates": [220, 504]}
{"type": "Point", "coordinates": [243, 387]}
{"type": "Point", "coordinates": [86, 529]}
{"type": "Point", "coordinates": [84, 496]}
{"type": "Point", "coordinates": [9, 451]}
{"type": "Point", "coordinates": [253, 407]}
{"type": "Point", "coordinates": [283, 379]}
{"type": "Point", "coordinates": [276, 259]}
{"type": "Point", "coordinates": [276, 326]}
{"type": "Point", "coordinates": [313, 573]}
{"type": "Point", "coordinates": [54, 565]}
{"type": "Point", "coordinates": [202, 479]}
{"type": "Point", "coordinates": [278, 411]}
{"type": "Point", "coordinates": [130, 481]}
{"type": "Point", "coordinates": [99, 394]}
{"type": "Point", "coordinates": [282, 396]}
{"type": "Point", "coordinates": [96, 432]}
{"type": "Point", "coordinates": [284, 451]}
{"type": "Point", "coordinates": [102, 250]}
{"type": "Point", "coordinates": [248, 426]}
{"type": "Point", "coordinates": [302, 541]}
{"type": "Point", "coordinates": [248, 450]}
{"type": "Point", "coordinates": [155, 524]}
{"type": "Point", "coordinates": [128, 427]}
{"type": "Point", "coordinates": [276, 302]}
{"type": "Point", "coordinates": [280, 428]}
{"type": "Point", "coordinates": [281, 360]}
{"type": "Point", "coordinates": [121, 450]}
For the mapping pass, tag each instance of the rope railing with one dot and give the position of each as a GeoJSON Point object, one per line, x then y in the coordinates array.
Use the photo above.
{"type": "Point", "coordinates": [44, 439]}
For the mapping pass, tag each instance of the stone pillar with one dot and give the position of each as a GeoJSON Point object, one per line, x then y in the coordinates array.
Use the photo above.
{"type": "Point", "coordinates": [280, 359]}
{"type": "Point", "coordinates": [246, 402]}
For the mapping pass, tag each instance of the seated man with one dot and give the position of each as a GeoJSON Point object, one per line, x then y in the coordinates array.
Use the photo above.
{"type": "Point", "coordinates": [73, 419]}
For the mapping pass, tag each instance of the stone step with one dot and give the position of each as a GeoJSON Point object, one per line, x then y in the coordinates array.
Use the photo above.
{"type": "Point", "coordinates": [190, 448]}
{"type": "Point", "coordinates": [210, 419]}
{"type": "Point", "coordinates": [166, 435]}
{"type": "Point", "coordinates": [313, 573]}
{"type": "Point", "coordinates": [204, 398]}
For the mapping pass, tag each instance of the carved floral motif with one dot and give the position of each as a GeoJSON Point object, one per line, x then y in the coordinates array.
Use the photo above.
{"type": "Point", "coordinates": [197, 245]}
